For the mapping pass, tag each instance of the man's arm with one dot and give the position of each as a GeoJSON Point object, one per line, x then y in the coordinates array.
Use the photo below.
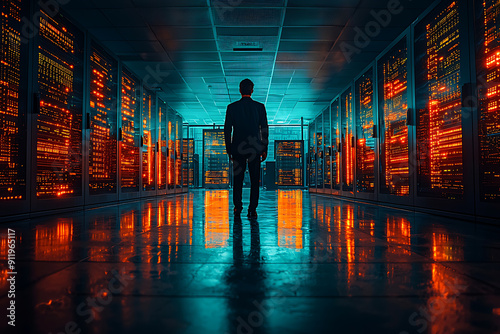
{"type": "Point", "coordinates": [228, 127]}
{"type": "Point", "coordinates": [264, 130]}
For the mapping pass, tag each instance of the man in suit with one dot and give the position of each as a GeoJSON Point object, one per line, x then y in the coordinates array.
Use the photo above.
{"type": "Point", "coordinates": [246, 120]}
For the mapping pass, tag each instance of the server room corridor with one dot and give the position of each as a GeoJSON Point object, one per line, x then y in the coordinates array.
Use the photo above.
{"type": "Point", "coordinates": [124, 124]}
{"type": "Point", "coordinates": [308, 264]}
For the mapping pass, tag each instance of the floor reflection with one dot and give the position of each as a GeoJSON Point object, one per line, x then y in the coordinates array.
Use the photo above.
{"type": "Point", "coordinates": [290, 208]}
{"type": "Point", "coordinates": [216, 218]}
{"type": "Point", "coordinates": [54, 242]}
{"type": "Point", "coordinates": [333, 264]}
{"type": "Point", "coordinates": [245, 280]}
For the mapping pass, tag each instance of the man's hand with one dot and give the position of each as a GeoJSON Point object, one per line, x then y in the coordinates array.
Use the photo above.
{"type": "Point", "coordinates": [263, 157]}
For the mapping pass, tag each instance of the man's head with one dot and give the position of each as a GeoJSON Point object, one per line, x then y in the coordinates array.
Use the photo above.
{"type": "Point", "coordinates": [246, 87]}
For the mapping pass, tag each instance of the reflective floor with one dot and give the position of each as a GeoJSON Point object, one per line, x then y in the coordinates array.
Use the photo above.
{"type": "Point", "coordinates": [308, 264]}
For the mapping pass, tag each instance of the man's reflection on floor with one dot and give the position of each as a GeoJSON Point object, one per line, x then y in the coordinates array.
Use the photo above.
{"type": "Point", "coordinates": [246, 283]}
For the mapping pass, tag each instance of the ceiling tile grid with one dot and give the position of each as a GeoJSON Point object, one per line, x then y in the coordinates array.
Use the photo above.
{"type": "Point", "coordinates": [195, 52]}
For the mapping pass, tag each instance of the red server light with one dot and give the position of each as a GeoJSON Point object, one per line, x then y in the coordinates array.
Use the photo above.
{"type": "Point", "coordinates": [488, 81]}
{"type": "Point", "coordinates": [393, 108]}
{"type": "Point", "coordinates": [365, 144]}
{"type": "Point", "coordinates": [59, 123]}
{"type": "Point", "coordinates": [12, 104]}
{"type": "Point", "coordinates": [103, 126]}
{"type": "Point", "coordinates": [129, 146]}
{"type": "Point", "coordinates": [439, 104]}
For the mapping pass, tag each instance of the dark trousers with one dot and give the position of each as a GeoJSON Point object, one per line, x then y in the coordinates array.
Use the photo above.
{"type": "Point", "coordinates": [239, 167]}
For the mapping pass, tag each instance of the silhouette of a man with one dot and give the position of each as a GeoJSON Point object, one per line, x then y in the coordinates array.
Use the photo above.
{"type": "Point", "coordinates": [246, 120]}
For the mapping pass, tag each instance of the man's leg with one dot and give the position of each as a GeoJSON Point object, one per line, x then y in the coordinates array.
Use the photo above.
{"type": "Point", "coordinates": [254, 170]}
{"type": "Point", "coordinates": [239, 167]}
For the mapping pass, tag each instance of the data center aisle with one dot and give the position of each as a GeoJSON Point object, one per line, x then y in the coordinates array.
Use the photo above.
{"type": "Point", "coordinates": [308, 264]}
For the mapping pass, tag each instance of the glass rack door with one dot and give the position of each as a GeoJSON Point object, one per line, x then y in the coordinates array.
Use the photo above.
{"type": "Point", "coordinates": [443, 125]}
{"type": "Point", "coordinates": [392, 72]}
{"type": "Point", "coordinates": [365, 139]}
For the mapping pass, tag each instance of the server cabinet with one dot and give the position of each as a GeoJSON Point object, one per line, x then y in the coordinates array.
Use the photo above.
{"type": "Point", "coordinates": [289, 163]}
{"type": "Point", "coordinates": [348, 143]}
{"type": "Point", "coordinates": [312, 157]}
{"type": "Point", "coordinates": [15, 138]}
{"type": "Point", "coordinates": [178, 154]}
{"type": "Point", "coordinates": [58, 83]}
{"type": "Point", "coordinates": [171, 152]}
{"type": "Point", "coordinates": [327, 142]}
{"type": "Point", "coordinates": [185, 157]}
{"type": "Point", "coordinates": [486, 120]}
{"type": "Point", "coordinates": [101, 130]}
{"type": "Point", "coordinates": [320, 154]}
{"type": "Point", "coordinates": [365, 135]}
{"type": "Point", "coordinates": [393, 130]}
{"type": "Point", "coordinates": [443, 124]}
{"type": "Point", "coordinates": [162, 147]}
{"type": "Point", "coordinates": [336, 147]}
{"type": "Point", "coordinates": [148, 142]}
{"type": "Point", "coordinates": [129, 136]}
{"type": "Point", "coordinates": [188, 156]}
{"type": "Point", "coordinates": [215, 160]}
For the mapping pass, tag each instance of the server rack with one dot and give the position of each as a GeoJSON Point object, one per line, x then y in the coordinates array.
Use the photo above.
{"type": "Point", "coordinates": [215, 160]}
{"type": "Point", "coordinates": [162, 147]}
{"type": "Point", "coordinates": [327, 139]}
{"type": "Point", "coordinates": [312, 157]}
{"type": "Point", "coordinates": [148, 142]}
{"type": "Point", "coordinates": [484, 106]}
{"type": "Point", "coordinates": [365, 135]}
{"type": "Point", "coordinates": [171, 151]}
{"type": "Point", "coordinates": [129, 135]}
{"type": "Point", "coordinates": [178, 155]}
{"type": "Point", "coordinates": [15, 139]}
{"type": "Point", "coordinates": [289, 162]}
{"type": "Point", "coordinates": [320, 154]}
{"type": "Point", "coordinates": [101, 127]}
{"type": "Point", "coordinates": [336, 139]}
{"type": "Point", "coordinates": [58, 81]}
{"type": "Point", "coordinates": [395, 114]}
{"type": "Point", "coordinates": [348, 153]}
{"type": "Point", "coordinates": [189, 162]}
{"type": "Point", "coordinates": [443, 127]}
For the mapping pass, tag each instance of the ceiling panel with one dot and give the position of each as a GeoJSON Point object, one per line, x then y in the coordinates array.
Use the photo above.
{"type": "Point", "coordinates": [247, 16]}
{"type": "Point", "coordinates": [318, 16]}
{"type": "Point", "coordinates": [124, 17]}
{"type": "Point", "coordinates": [186, 48]}
{"type": "Point", "coordinates": [323, 33]}
{"type": "Point", "coordinates": [176, 16]}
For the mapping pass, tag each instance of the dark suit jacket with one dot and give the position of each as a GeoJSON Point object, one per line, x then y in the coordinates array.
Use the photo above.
{"type": "Point", "coordinates": [247, 120]}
